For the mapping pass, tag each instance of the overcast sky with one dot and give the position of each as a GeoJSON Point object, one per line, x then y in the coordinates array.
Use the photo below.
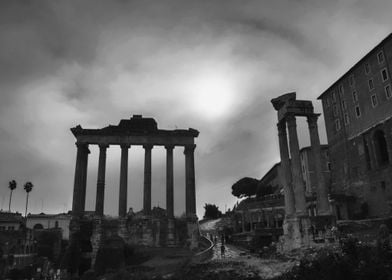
{"type": "Point", "coordinates": [210, 65]}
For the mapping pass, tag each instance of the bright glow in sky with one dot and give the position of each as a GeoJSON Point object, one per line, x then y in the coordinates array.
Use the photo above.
{"type": "Point", "coordinates": [211, 94]}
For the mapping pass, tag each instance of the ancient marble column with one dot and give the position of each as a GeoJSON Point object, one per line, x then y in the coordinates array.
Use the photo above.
{"type": "Point", "coordinates": [84, 178]}
{"type": "Point", "coordinates": [286, 170]}
{"type": "Point", "coordinates": [297, 180]}
{"type": "Point", "coordinates": [79, 191]}
{"type": "Point", "coordinates": [99, 203]}
{"type": "Point", "coordinates": [322, 192]}
{"type": "Point", "coordinates": [190, 192]}
{"type": "Point", "coordinates": [147, 180]}
{"type": "Point", "coordinates": [169, 182]}
{"type": "Point", "coordinates": [122, 205]}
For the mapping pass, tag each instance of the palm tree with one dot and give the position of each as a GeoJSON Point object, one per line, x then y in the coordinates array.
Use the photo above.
{"type": "Point", "coordinates": [11, 186]}
{"type": "Point", "coordinates": [28, 187]}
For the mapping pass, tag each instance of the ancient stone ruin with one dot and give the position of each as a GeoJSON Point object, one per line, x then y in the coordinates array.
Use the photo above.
{"type": "Point", "coordinates": [151, 227]}
{"type": "Point", "coordinates": [297, 224]}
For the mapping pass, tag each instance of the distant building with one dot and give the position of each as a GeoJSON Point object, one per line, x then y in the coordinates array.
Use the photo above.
{"type": "Point", "coordinates": [50, 221]}
{"type": "Point", "coordinates": [358, 119]}
{"type": "Point", "coordinates": [10, 221]}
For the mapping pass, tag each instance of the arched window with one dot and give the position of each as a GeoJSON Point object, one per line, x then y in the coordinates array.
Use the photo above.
{"type": "Point", "coordinates": [381, 148]}
{"type": "Point", "coordinates": [38, 226]}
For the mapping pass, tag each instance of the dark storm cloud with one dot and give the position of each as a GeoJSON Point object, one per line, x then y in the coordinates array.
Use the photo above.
{"type": "Point", "coordinates": [95, 62]}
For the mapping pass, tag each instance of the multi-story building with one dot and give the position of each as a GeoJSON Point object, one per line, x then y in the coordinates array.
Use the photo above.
{"type": "Point", "coordinates": [358, 119]}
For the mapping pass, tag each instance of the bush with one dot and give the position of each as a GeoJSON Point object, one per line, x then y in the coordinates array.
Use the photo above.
{"type": "Point", "coordinates": [355, 262]}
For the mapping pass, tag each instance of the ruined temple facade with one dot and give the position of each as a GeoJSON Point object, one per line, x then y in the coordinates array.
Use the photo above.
{"type": "Point", "coordinates": [150, 227]}
{"type": "Point", "coordinates": [297, 223]}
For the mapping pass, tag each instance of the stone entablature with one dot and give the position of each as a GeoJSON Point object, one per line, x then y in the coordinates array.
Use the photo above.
{"type": "Point", "coordinates": [135, 131]}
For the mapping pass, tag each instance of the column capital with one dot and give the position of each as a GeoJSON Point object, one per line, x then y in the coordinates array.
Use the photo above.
{"type": "Point", "coordinates": [169, 147]}
{"type": "Point", "coordinates": [125, 146]}
{"type": "Point", "coordinates": [83, 146]}
{"type": "Point", "coordinates": [103, 146]}
{"type": "Point", "coordinates": [148, 146]}
{"type": "Point", "coordinates": [290, 117]}
{"type": "Point", "coordinates": [188, 149]}
{"type": "Point", "coordinates": [312, 120]}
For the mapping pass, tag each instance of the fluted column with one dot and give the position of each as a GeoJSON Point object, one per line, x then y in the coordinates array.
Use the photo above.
{"type": "Point", "coordinates": [298, 182]}
{"type": "Point", "coordinates": [286, 169]}
{"type": "Point", "coordinates": [169, 182]}
{"type": "Point", "coordinates": [99, 203]}
{"type": "Point", "coordinates": [147, 179]}
{"type": "Point", "coordinates": [190, 192]}
{"type": "Point", "coordinates": [322, 192]}
{"type": "Point", "coordinates": [122, 205]}
{"type": "Point", "coordinates": [79, 192]}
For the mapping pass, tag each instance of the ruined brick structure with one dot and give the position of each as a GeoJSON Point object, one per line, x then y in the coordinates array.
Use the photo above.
{"type": "Point", "coordinates": [358, 119]}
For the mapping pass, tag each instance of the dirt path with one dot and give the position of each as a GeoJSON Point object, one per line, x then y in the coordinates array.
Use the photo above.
{"type": "Point", "coordinates": [251, 264]}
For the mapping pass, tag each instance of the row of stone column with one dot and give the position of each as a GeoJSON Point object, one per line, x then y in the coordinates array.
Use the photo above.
{"type": "Point", "coordinates": [294, 187]}
{"type": "Point", "coordinates": [79, 195]}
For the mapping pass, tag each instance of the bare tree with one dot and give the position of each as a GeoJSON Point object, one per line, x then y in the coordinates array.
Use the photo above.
{"type": "Point", "coordinates": [11, 186]}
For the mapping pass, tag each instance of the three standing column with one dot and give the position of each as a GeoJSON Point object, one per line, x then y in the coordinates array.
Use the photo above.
{"type": "Point", "coordinates": [99, 203]}
{"type": "Point", "coordinates": [298, 183]}
{"type": "Point", "coordinates": [190, 192]}
{"type": "Point", "coordinates": [122, 205]}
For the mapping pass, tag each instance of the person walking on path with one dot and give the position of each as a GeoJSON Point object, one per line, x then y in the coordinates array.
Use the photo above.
{"type": "Point", "coordinates": [223, 249]}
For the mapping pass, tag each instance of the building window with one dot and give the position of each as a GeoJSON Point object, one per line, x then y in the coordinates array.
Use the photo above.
{"type": "Point", "coordinates": [38, 226]}
{"type": "Point", "coordinates": [327, 102]}
{"type": "Point", "coordinates": [344, 105]}
{"type": "Point", "coordinates": [357, 111]}
{"type": "Point", "coordinates": [384, 75]}
{"type": "Point", "coordinates": [355, 96]}
{"type": "Point", "coordinates": [370, 84]}
{"type": "Point", "coordinates": [335, 110]}
{"type": "Point", "coordinates": [367, 154]}
{"type": "Point", "coordinates": [374, 100]}
{"type": "Point", "coordinates": [333, 97]}
{"type": "Point", "coordinates": [351, 80]}
{"type": "Point", "coordinates": [341, 91]}
{"type": "Point", "coordinates": [367, 68]}
{"type": "Point", "coordinates": [329, 166]}
{"type": "Point", "coordinates": [337, 124]}
{"type": "Point", "coordinates": [380, 57]}
{"type": "Point", "coordinates": [346, 119]}
{"type": "Point", "coordinates": [380, 144]}
{"type": "Point", "coordinates": [388, 91]}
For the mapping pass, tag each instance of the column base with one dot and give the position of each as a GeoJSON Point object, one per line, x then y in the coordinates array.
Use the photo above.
{"type": "Point", "coordinates": [192, 231]}
{"type": "Point", "coordinates": [171, 241]}
{"type": "Point", "coordinates": [295, 233]}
